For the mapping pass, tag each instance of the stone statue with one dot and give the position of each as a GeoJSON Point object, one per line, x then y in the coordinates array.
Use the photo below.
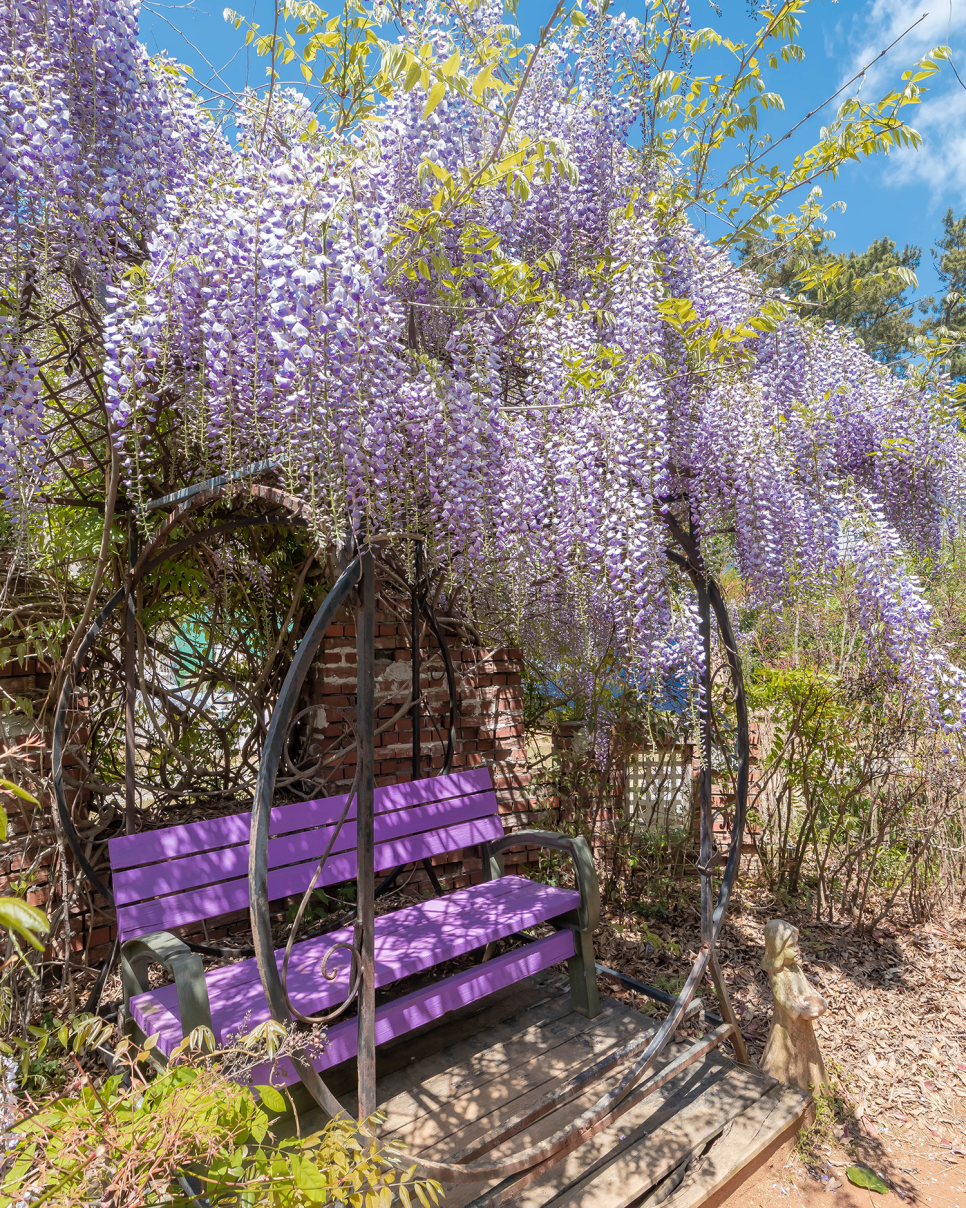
{"type": "Point", "coordinates": [791, 1051]}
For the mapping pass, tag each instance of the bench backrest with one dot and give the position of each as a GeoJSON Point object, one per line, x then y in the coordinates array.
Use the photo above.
{"type": "Point", "coordinates": [183, 874]}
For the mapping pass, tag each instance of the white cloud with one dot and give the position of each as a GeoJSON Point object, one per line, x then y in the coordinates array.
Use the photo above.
{"type": "Point", "coordinates": [882, 21]}
{"type": "Point", "coordinates": [940, 164]}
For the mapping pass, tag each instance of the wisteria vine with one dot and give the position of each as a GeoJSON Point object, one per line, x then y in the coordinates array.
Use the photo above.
{"type": "Point", "coordinates": [531, 377]}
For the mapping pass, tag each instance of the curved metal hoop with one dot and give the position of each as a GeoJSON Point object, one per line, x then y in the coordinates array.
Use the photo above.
{"type": "Point", "coordinates": [151, 557]}
{"type": "Point", "coordinates": [595, 1117]}
{"type": "Point", "coordinates": [261, 810]}
{"type": "Point", "coordinates": [591, 1121]}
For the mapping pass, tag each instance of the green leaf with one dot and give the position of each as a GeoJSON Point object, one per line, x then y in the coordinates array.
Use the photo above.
{"type": "Point", "coordinates": [273, 1099]}
{"type": "Point", "coordinates": [436, 94]}
{"type": "Point", "coordinates": [17, 791]}
{"type": "Point", "coordinates": [862, 1176]}
{"type": "Point", "coordinates": [18, 915]}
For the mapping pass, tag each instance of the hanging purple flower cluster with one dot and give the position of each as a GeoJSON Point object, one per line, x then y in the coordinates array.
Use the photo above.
{"type": "Point", "coordinates": [532, 376]}
{"type": "Point", "coordinates": [93, 138]}
{"type": "Point", "coordinates": [20, 411]}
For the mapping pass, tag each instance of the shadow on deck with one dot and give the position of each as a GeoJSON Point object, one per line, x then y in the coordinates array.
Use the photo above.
{"type": "Point", "coordinates": [691, 1140]}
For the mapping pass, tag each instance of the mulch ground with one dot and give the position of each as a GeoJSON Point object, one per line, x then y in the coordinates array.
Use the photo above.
{"type": "Point", "coordinates": [893, 1038]}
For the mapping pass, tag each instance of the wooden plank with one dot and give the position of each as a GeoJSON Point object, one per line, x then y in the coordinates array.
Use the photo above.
{"type": "Point", "coordinates": [535, 1002]}
{"type": "Point", "coordinates": [633, 1155]}
{"type": "Point", "coordinates": [170, 842]}
{"type": "Point", "coordinates": [407, 941]}
{"type": "Point", "coordinates": [172, 876]}
{"type": "Point", "coordinates": [449, 1124]}
{"type": "Point", "coordinates": [477, 1073]}
{"type": "Point", "coordinates": [165, 914]}
{"type": "Point", "coordinates": [660, 1110]}
{"type": "Point", "coordinates": [759, 1129]}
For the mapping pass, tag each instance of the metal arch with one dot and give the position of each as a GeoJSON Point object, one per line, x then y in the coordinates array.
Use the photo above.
{"type": "Point", "coordinates": [635, 1084]}
{"type": "Point", "coordinates": [629, 1090]}
{"type": "Point", "coordinates": [152, 556]}
{"type": "Point", "coordinates": [57, 746]}
{"type": "Point", "coordinates": [261, 810]}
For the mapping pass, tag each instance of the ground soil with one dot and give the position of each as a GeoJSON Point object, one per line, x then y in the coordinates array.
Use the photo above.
{"type": "Point", "coordinates": [894, 1041]}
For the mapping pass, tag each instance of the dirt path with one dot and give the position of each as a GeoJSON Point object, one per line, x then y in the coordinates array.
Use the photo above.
{"type": "Point", "coordinates": [918, 1170]}
{"type": "Point", "coordinates": [894, 1039]}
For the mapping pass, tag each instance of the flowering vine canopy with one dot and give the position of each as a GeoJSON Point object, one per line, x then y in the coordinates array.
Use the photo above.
{"type": "Point", "coordinates": [488, 324]}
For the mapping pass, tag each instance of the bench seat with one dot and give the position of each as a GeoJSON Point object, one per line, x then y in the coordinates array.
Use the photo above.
{"type": "Point", "coordinates": [408, 941]}
{"type": "Point", "coordinates": [171, 878]}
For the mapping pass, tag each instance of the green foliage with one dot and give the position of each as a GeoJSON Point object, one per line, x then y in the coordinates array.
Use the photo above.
{"type": "Point", "coordinates": [699, 120]}
{"type": "Point", "coordinates": [866, 291]}
{"type": "Point", "coordinates": [18, 917]}
{"type": "Point", "coordinates": [862, 1176]}
{"type": "Point", "coordinates": [949, 313]}
{"type": "Point", "coordinates": [131, 1144]}
{"type": "Point", "coordinates": [832, 1106]}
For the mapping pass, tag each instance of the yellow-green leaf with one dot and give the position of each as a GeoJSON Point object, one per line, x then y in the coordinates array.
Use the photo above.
{"type": "Point", "coordinates": [482, 81]}
{"type": "Point", "coordinates": [413, 76]}
{"type": "Point", "coordinates": [862, 1176]}
{"type": "Point", "coordinates": [17, 791]}
{"type": "Point", "coordinates": [273, 1099]}
{"type": "Point", "coordinates": [436, 94]}
{"type": "Point", "coordinates": [29, 922]}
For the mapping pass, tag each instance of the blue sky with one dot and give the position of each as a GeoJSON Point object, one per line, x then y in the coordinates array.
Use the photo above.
{"type": "Point", "coordinates": [903, 196]}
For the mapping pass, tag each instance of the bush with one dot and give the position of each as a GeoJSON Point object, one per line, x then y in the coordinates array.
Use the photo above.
{"type": "Point", "coordinates": [145, 1138]}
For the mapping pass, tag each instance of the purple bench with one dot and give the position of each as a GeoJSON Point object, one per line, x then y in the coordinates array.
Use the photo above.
{"type": "Point", "coordinates": [181, 875]}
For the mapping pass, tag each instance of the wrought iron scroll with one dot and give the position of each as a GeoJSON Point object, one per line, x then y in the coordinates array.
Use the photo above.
{"type": "Point", "coordinates": [420, 604]}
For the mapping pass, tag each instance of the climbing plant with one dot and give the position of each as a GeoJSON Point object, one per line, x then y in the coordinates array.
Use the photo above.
{"type": "Point", "coordinates": [441, 288]}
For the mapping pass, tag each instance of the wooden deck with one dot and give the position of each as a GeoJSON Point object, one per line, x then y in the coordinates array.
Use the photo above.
{"type": "Point", "coordinates": [447, 1086]}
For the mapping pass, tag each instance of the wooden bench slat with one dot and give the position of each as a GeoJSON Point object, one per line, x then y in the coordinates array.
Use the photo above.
{"type": "Point", "coordinates": [407, 941]}
{"type": "Point", "coordinates": [432, 1002]}
{"type": "Point", "coordinates": [164, 914]}
{"type": "Point", "coordinates": [191, 872]}
{"type": "Point", "coordinates": [128, 851]}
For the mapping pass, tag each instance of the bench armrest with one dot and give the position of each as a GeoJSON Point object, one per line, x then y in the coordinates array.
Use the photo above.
{"type": "Point", "coordinates": [575, 846]}
{"type": "Point", "coordinates": [165, 949]}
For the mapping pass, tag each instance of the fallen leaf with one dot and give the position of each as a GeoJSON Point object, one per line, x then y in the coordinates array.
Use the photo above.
{"type": "Point", "coordinates": [862, 1176]}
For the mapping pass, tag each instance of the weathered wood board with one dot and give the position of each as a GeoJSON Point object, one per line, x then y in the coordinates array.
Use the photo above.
{"type": "Point", "coordinates": [451, 1085]}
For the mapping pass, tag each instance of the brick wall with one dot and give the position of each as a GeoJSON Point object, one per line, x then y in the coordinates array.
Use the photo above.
{"type": "Point", "coordinates": [489, 727]}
